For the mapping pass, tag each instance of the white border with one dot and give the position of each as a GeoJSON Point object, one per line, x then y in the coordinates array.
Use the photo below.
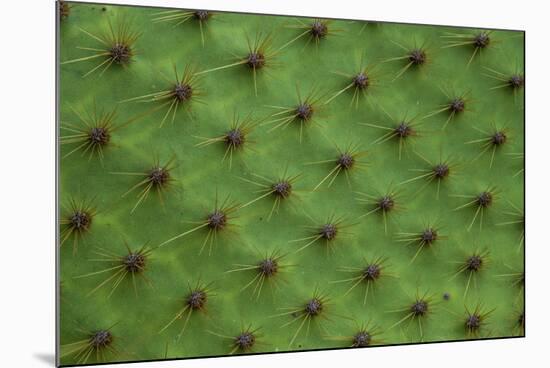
{"type": "Point", "coordinates": [27, 204]}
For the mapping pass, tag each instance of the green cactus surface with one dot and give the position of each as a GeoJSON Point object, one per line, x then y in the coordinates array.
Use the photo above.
{"type": "Point", "coordinates": [238, 183]}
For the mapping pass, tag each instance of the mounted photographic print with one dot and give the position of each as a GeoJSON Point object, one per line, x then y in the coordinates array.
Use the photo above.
{"type": "Point", "coordinates": [235, 183]}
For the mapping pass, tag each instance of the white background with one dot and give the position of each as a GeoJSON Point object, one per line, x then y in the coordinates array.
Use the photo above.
{"type": "Point", "coordinates": [27, 145]}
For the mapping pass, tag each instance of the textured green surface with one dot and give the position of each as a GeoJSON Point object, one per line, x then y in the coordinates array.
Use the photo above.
{"type": "Point", "coordinates": [200, 175]}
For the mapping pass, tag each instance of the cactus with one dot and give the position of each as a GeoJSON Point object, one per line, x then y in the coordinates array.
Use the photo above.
{"type": "Point", "coordinates": [236, 183]}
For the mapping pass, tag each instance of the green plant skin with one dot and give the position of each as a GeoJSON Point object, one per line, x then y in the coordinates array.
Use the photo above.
{"type": "Point", "coordinates": [200, 174]}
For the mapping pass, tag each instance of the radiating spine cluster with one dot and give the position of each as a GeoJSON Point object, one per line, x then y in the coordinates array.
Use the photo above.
{"type": "Point", "coordinates": [421, 189]}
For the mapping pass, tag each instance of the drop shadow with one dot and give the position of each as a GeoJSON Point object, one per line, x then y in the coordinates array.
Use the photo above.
{"type": "Point", "coordinates": [46, 358]}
